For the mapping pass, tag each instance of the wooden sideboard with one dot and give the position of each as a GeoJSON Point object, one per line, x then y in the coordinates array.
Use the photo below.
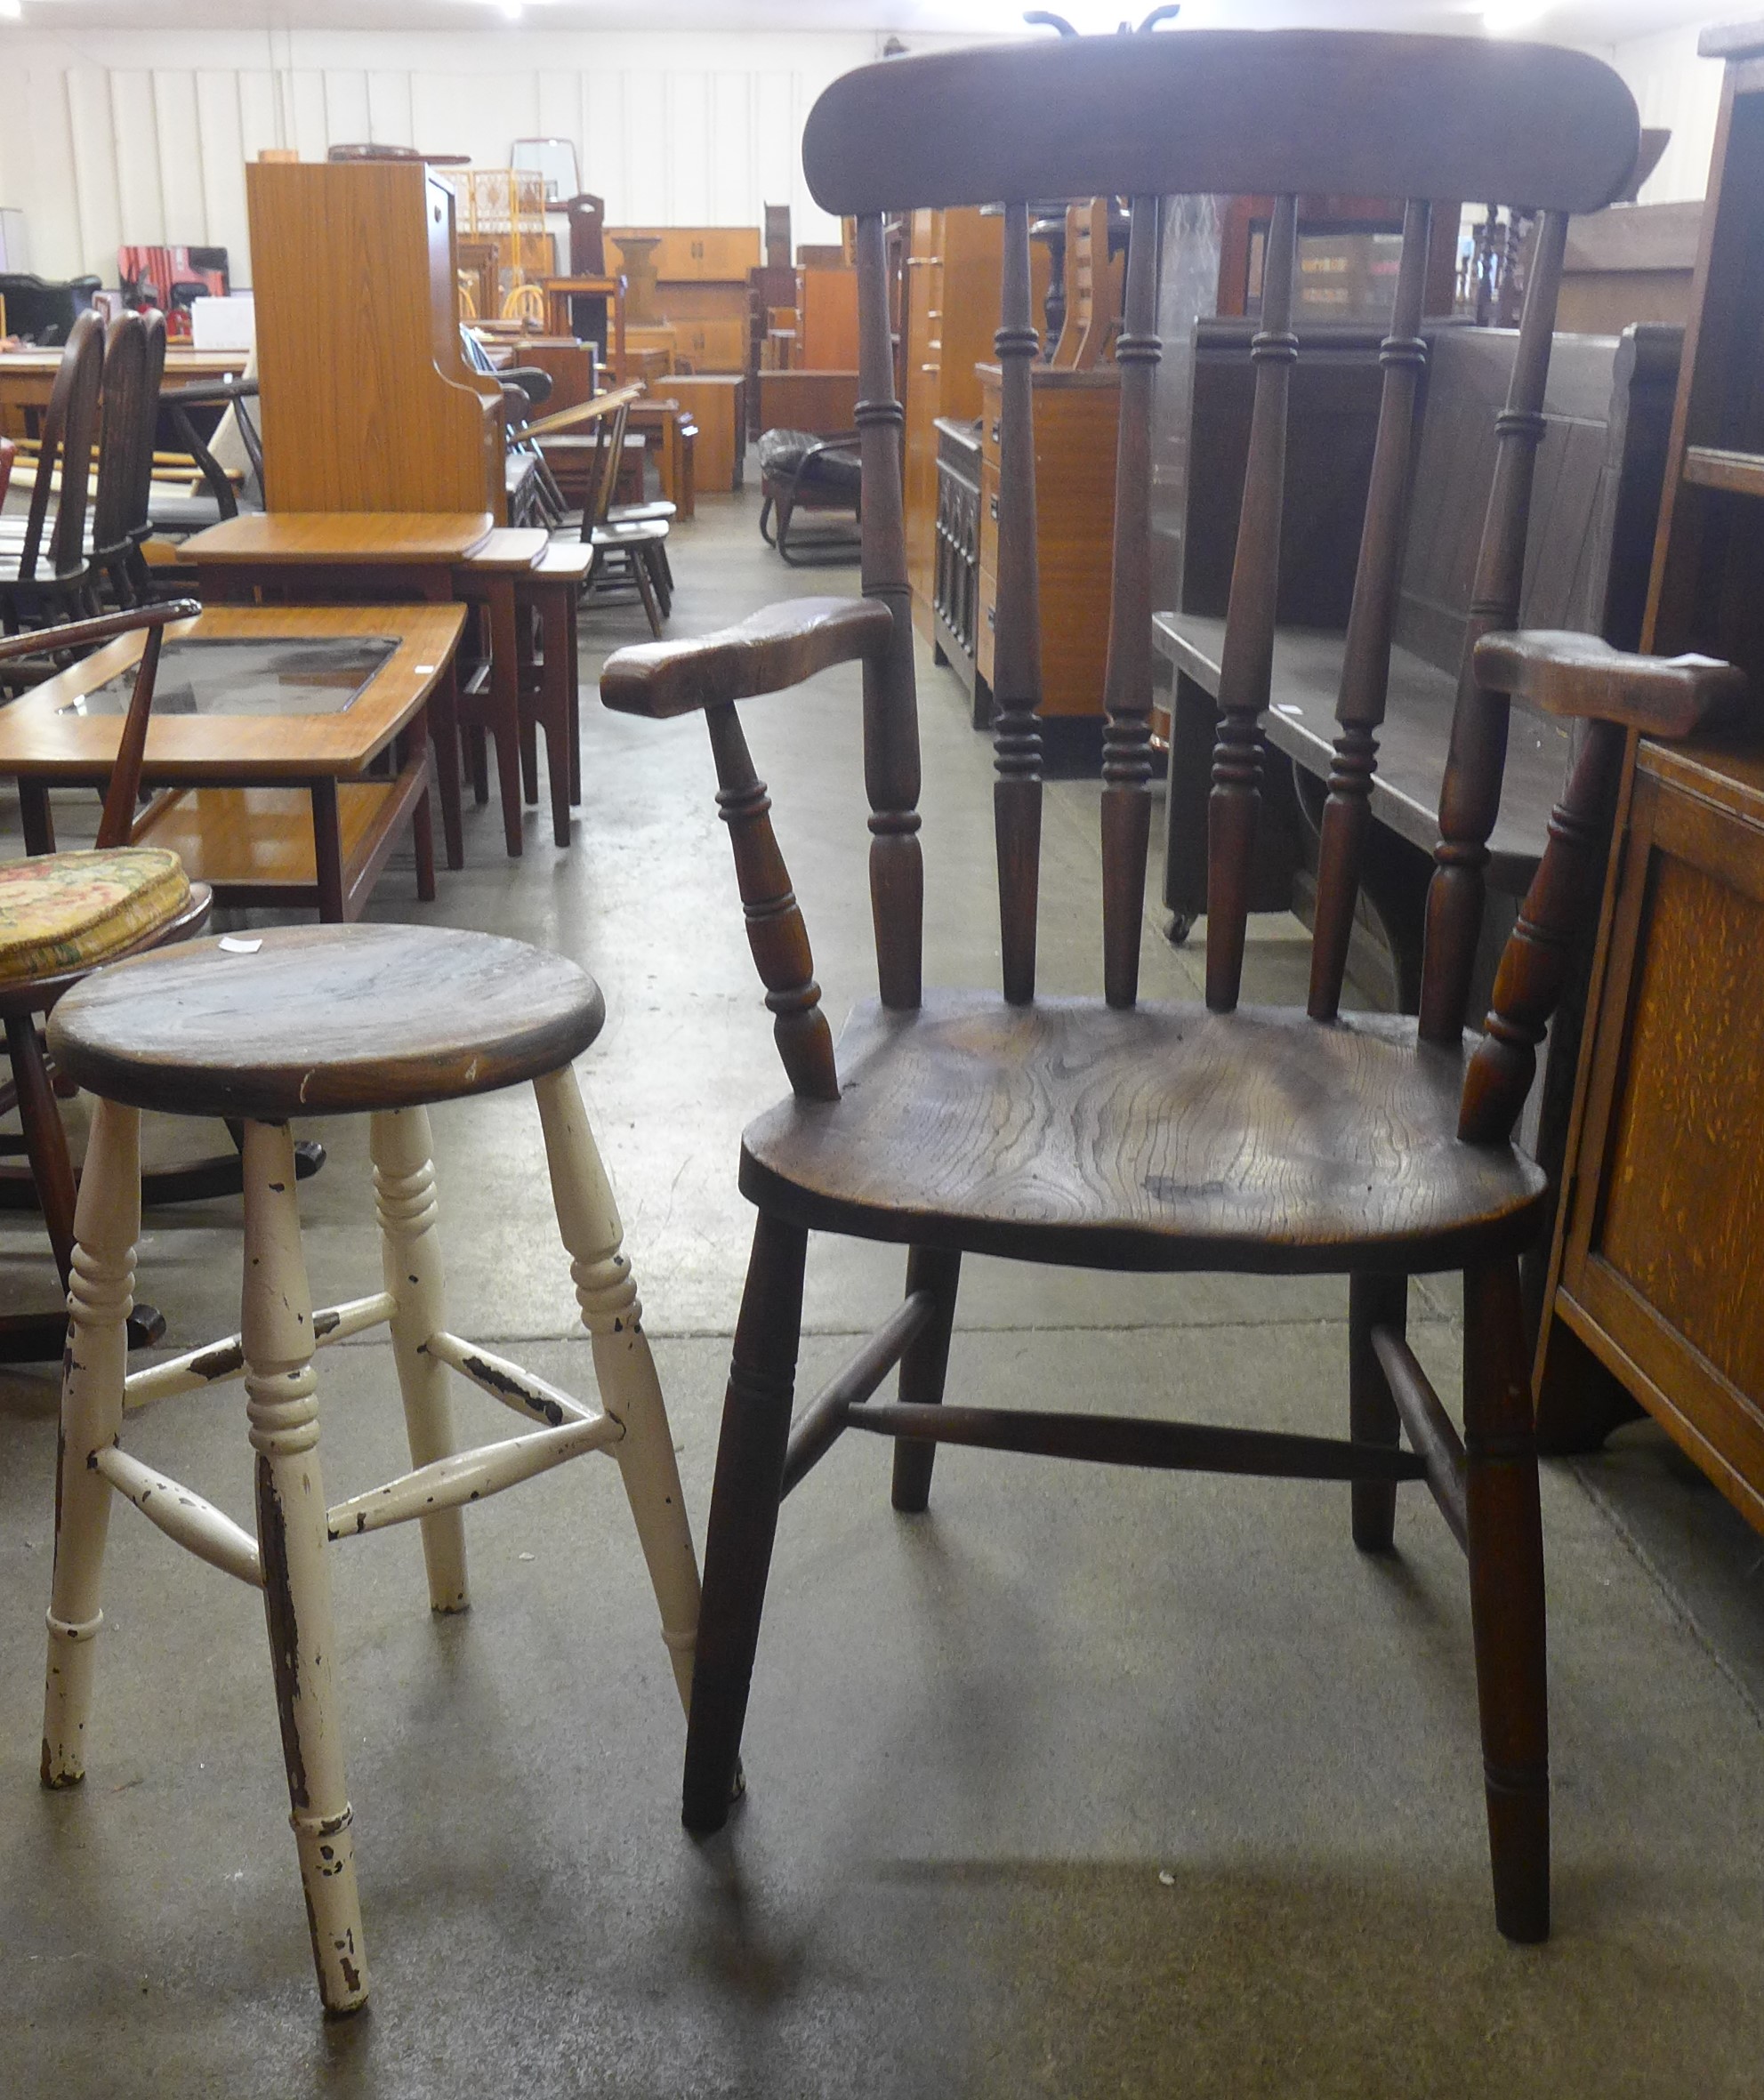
{"type": "Point", "coordinates": [1662, 1233]}
{"type": "Point", "coordinates": [1654, 1288]}
{"type": "Point", "coordinates": [949, 298]}
{"type": "Point", "coordinates": [701, 288]}
{"type": "Point", "coordinates": [1076, 419]}
{"type": "Point", "coordinates": [956, 566]}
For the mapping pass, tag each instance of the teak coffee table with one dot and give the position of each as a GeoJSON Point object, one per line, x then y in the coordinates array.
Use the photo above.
{"type": "Point", "coordinates": [293, 739]}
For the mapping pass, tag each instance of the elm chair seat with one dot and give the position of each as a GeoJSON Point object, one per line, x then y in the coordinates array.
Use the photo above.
{"type": "Point", "coordinates": [1141, 1140]}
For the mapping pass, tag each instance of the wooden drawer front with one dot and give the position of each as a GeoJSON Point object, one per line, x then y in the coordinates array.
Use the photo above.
{"type": "Point", "coordinates": [1663, 1263]}
{"type": "Point", "coordinates": [699, 252]}
{"type": "Point", "coordinates": [712, 346]}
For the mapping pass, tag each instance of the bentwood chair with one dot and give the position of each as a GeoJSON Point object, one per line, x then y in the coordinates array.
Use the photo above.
{"type": "Point", "coordinates": [1117, 1135]}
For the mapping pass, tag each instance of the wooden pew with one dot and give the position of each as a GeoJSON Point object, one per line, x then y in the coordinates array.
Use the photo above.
{"type": "Point", "coordinates": [1607, 413]}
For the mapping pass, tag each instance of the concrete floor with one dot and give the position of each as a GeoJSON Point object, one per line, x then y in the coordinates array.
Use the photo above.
{"type": "Point", "coordinates": [1085, 1782]}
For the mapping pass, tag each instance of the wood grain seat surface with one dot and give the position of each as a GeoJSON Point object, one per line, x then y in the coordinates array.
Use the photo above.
{"type": "Point", "coordinates": [325, 1019]}
{"type": "Point", "coordinates": [1161, 1137]}
{"type": "Point", "coordinates": [1413, 740]}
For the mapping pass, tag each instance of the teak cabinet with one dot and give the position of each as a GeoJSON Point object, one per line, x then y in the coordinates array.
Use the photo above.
{"type": "Point", "coordinates": [1661, 1265]}
{"type": "Point", "coordinates": [1077, 415]}
{"type": "Point", "coordinates": [951, 268]}
{"type": "Point", "coordinates": [1657, 1272]}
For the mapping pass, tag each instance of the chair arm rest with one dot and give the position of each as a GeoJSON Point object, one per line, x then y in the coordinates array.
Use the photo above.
{"type": "Point", "coordinates": [1578, 674]}
{"type": "Point", "coordinates": [776, 648]}
{"type": "Point", "coordinates": [79, 634]}
{"type": "Point", "coordinates": [588, 411]}
{"type": "Point", "coordinates": [210, 393]}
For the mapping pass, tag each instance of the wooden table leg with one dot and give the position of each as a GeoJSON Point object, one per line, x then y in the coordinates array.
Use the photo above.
{"type": "Point", "coordinates": [327, 853]}
{"type": "Point", "coordinates": [557, 699]}
{"type": "Point", "coordinates": [444, 737]}
{"type": "Point", "coordinates": [505, 705]}
{"type": "Point", "coordinates": [35, 816]}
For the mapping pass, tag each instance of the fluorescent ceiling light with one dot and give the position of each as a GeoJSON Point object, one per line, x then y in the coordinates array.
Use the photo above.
{"type": "Point", "coordinates": [509, 10]}
{"type": "Point", "coordinates": [11, 11]}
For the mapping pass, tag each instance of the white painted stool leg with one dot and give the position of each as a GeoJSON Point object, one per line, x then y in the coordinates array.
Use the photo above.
{"type": "Point", "coordinates": [410, 1256]}
{"type": "Point", "coordinates": [630, 1391]}
{"type": "Point", "coordinates": [107, 1221]}
{"type": "Point", "coordinates": [277, 1326]}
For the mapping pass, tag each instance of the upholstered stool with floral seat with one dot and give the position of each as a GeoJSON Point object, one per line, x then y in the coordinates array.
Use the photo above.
{"type": "Point", "coordinates": [328, 1020]}
{"type": "Point", "coordinates": [60, 915]}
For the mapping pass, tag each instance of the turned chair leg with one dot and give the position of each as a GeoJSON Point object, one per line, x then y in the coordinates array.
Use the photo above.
{"type": "Point", "coordinates": [1372, 1301]}
{"type": "Point", "coordinates": [291, 1538]}
{"type": "Point", "coordinates": [588, 1220]}
{"type": "Point", "coordinates": [410, 1262]}
{"type": "Point", "coordinates": [744, 1517]}
{"type": "Point", "coordinates": [106, 1222]}
{"type": "Point", "coordinates": [1507, 1612]}
{"type": "Point", "coordinates": [923, 1368]}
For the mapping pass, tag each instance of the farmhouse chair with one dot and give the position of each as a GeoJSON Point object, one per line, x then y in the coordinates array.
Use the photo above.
{"type": "Point", "coordinates": [1108, 1133]}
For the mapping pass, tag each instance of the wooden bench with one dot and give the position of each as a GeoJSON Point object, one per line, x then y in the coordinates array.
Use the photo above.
{"type": "Point", "coordinates": [1607, 412]}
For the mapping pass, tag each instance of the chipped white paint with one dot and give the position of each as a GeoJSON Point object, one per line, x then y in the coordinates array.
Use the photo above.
{"type": "Point", "coordinates": [273, 1352]}
{"type": "Point", "coordinates": [469, 1475]}
{"type": "Point", "coordinates": [217, 1363]}
{"type": "Point", "coordinates": [100, 1295]}
{"type": "Point", "coordinates": [630, 1391]}
{"type": "Point", "coordinates": [410, 1262]}
{"type": "Point", "coordinates": [183, 1514]}
{"type": "Point", "coordinates": [292, 1537]}
{"type": "Point", "coordinates": [522, 1390]}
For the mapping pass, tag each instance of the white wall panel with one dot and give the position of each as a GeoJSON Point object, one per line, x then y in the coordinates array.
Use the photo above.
{"type": "Point", "coordinates": [645, 184]}
{"type": "Point", "coordinates": [135, 135]}
{"type": "Point", "coordinates": [91, 159]}
{"type": "Point", "coordinates": [388, 122]}
{"type": "Point", "coordinates": [346, 111]}
{"type": "Point", "coordinates": [600, 146]}
{"type": "Point", "coordinates": [686, 155]}
{"type": "Point", "coordinates": [734, 182]}
{"type": "Point", "coordinates": [223, 157]}
{"type": "Point", "coordinates": [143, 136]}
{"type": "Point", "coordinates": [303, 93]}
{"type": "Point", "coordinates": [181, 151]}
{"type": "Point", "coordinates": [1674, 88]}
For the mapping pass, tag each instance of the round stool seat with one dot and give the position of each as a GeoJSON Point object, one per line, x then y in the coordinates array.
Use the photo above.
{"type": "Point", "coordinates": [322, 1020]}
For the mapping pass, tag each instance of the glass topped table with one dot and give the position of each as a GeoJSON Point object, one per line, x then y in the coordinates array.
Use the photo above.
{"type": "Point", "coordinates": [293, 739]}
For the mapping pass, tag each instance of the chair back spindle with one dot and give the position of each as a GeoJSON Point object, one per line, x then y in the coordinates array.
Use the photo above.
{"type": "Point", "coordinates": [1017, 649]}
{"type": "Point", "coordinates": [1126, 736]}
{"type": "Point", "coordinates": [1248, 655]}
{"type": "Point", "coordinates": [1470, 795]}
{"type": "Point", "coordinates": [890, 702]}
{"type": "Point", "coordinates": [1365, 662]}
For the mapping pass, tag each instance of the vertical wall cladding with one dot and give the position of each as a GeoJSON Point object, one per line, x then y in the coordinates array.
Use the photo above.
{"type": "Point", "coordinates": [140, 137]}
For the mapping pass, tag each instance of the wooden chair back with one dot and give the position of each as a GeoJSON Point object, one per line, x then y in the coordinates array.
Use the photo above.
{"type": "Point", "coordinates": [131, 407]}
{"type": "Point", "coordinates": [70, 425]}
{"type": "Point", "coordinates": [1286, 113]}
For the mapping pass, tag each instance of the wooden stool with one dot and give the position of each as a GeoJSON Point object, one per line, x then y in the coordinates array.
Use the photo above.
{"type": "Point", "coordinates": [322, 1020]}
